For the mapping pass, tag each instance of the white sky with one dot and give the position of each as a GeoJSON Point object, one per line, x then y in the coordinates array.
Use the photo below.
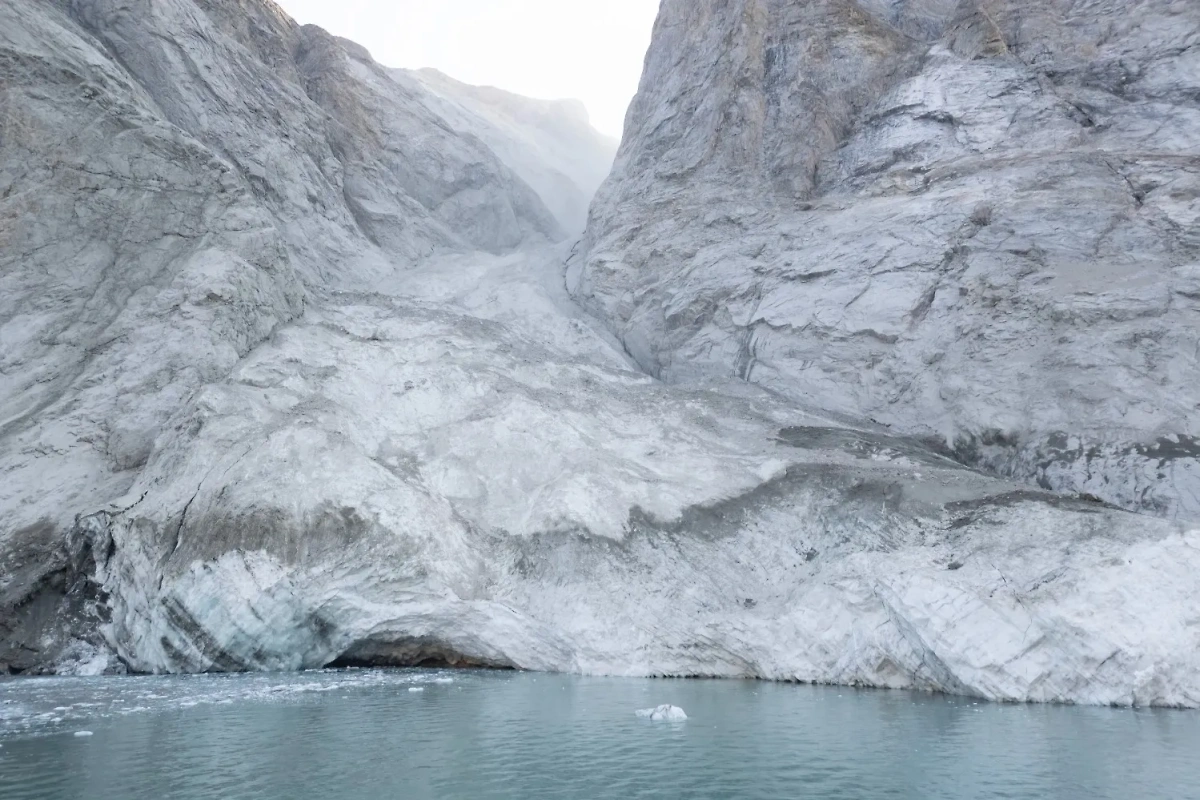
{"type": "Point", "coordinates": [586, 49]}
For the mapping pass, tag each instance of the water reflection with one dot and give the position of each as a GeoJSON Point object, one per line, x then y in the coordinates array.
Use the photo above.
{"type": "Point", "coordinates": [362, 734]}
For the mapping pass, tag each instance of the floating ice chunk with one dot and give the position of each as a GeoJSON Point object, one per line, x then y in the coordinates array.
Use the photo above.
{"type": "Point", "coordinates": [416, 688]}
{"type": "Point", "coordinates": [663, 714]}
{"type": "Point", "coordinates": [443, 680]}
{"type": "Point", "coordinates": [79, 734]}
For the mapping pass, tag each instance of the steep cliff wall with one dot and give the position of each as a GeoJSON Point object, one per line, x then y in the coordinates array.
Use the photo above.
{"type": "Point", "coordinates": [176, 177]}
{"type": "Point", "coordinates": [975, 221]}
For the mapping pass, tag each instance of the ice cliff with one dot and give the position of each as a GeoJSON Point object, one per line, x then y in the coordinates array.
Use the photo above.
{"type": "Point", "coordinates": [290, 374]}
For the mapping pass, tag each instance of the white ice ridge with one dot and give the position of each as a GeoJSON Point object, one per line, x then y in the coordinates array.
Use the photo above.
{"type": "Point", "coordinates": [664, 713]}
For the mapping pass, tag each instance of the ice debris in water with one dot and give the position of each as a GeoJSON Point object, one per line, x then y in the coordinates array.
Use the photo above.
{"type": "Point", "coordinates": [416, 688]}
{"type": "Point", "coordinates": [79, 734]}
{"type": "Point", "coordinates": [663, 713]}
{"type": "Point", "coordinates": [443, 680]}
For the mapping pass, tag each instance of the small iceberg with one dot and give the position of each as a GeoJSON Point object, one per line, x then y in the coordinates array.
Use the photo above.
{"type": "Point", "coordinates": [663, 714]}
{"type": "Point", "coordinates": [79, 734]}
{"type": "Point", "coordinates": [416, 688]}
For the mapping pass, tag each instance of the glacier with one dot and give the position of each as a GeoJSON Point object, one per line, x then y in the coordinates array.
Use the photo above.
{"type": "Point", "coordinates": [301, 366]}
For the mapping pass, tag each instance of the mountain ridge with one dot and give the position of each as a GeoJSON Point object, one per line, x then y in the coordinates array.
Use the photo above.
{"type": "Point", "coordinates": [290, 377]}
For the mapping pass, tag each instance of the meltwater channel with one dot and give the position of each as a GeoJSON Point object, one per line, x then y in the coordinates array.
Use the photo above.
{"type": "Point", "coordinates": [430, 734]}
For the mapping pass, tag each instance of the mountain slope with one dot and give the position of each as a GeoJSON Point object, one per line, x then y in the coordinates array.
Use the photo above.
{"type": "Point", "coordinates": [972, 221]}
{"type": "Point", "coordinates": [175, 179]}
{"type": "Point", "coordinates": [291, 378]}
{"type": "Point", "coordinates": [550, 144]}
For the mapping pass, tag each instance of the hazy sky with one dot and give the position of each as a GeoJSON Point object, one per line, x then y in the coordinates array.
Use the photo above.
{"type": "Point", "coordinates": [587, 49]}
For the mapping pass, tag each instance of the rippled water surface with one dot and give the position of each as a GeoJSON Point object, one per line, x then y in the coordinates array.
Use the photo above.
{"type": "Point", "coordinates": [364, 734]}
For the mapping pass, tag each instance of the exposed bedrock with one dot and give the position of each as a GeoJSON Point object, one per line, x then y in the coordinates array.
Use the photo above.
{"type": "Point", "coordinates": [514, 506]}
{"type": "Point", "coordinates": [176, 179]}
{"type": "Point", "coordinates": [977, 221]}
{"type": "Point", "coordinates": [290, 375]}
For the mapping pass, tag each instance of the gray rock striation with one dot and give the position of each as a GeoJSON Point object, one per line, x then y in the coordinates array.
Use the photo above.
{"type": "Point", "coordinates": [974, 222]}
{"type": "Point", "coordinates": [291, 377]}
{"type": "Point", "coordinates": [177, 179]}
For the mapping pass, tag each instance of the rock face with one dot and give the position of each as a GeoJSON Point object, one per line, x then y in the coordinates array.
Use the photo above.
{"type": "Point", "coordinates": [550, 144]}
{"type": "Point", "coordinates": [291, 378]}
{"type": "Point", "coordinates": [175, 179]}
{"type": "Point", "coordinates": [974, 221]}
{"type": "Point", "coordinates": [416, 476]}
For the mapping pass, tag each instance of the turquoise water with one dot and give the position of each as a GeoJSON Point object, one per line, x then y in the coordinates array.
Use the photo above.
{"type": "Point", "coordinates": [363, 734]}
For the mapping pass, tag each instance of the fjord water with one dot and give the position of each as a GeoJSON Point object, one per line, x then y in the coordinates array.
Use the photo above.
{"type": "Point", "coordinates": [367, 734]}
